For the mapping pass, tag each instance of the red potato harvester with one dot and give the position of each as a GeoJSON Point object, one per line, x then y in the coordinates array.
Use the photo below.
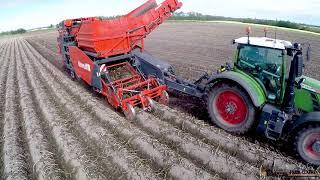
{"type": "Point", "coordinates": [108, 54]}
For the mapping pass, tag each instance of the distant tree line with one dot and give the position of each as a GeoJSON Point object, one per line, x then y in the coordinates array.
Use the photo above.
{"type": "Point", "coordinates": [22, 31]}
{"type": "Point", "coordinates": [287, 24]}
{"type": "Point", "coordinates": [18, 31]}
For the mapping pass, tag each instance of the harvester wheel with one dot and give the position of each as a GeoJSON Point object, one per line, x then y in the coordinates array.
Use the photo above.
{"type": "Point", "coordinates": [164, 99]}
{"type": "Point", "coordinates": [152, 105]}
{"type": "Point", "coordinates": [74, 76]}
{"type": "Point", "coordinates": [130, 113]}
{"type": "Point", "coordinates": [307, 144]}
{"type": "Point", "coordinates": [231, 108]}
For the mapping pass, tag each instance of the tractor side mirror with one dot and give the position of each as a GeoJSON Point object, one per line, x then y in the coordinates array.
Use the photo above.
{"type": "Point", "coordinates": [308, 54]}
{"type": "Point", "coordinates": [299, 66]}
{"type": "Point", "coordinates": [289, 52]}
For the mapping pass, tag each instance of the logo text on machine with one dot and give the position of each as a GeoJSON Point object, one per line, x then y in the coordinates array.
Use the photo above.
{"type": "Point", "coordinates": [84, 66]}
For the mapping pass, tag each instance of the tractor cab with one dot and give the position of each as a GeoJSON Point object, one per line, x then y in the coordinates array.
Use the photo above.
{"type": "Point", "coordinates": [265, 60]}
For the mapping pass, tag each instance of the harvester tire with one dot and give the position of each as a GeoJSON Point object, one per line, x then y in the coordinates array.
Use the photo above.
{"type": "Point", "coordinates": [152, 104]}
{"type": "Point", "coordinates": [95, 92]}
{"type": "Point", "coordinates": [231, 109]}
{"type": "Point", "coordinates": [305, 144]}
{"type": "Point", "coordinates": [164, 99]}
{"type": "Point", "coordinates": [130, 112]}
{"type": "Point", "coordinates": [74, 76]}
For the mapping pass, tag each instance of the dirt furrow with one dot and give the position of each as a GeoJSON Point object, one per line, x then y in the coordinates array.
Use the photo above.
{"type": "Point", "coordinates": [44, 159]}
{"type": "Point", "coordinates": [256, 155]}
{"type": "Point", "coordinates": [3, 83]}
{"type": "Point", "coordinates": [4, 57]}
{"type": "Point", "coordinates": [15, 156]}
{"type": "Point", "coordinates": [200, 152]}
{"type": "Point", "coordinates": [82, 161]}
{"type": "Point", "coordinates": [3, 46]}
{"type": "Point", "coordinates": [161, 155]}
{"type": "Point", "coordinates": [3, 50]}
{"type": "Point", "coordinates": [108, 145]}
{"type": "Point", "coordinates": [51, 55]}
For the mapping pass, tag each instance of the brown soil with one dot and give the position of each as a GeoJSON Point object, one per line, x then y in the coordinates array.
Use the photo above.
{"type": "Point", "coordinates": [53, 127]}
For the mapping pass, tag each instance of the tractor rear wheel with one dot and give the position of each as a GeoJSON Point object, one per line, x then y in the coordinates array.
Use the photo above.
{"type": "Point", "coordinates": [231, 108]}
{"type": "Point", "coordinates": [307, 144]}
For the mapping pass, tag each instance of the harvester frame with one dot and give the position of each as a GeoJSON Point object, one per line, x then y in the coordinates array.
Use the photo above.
{"type": "Point", "coordinates": [102, 53]}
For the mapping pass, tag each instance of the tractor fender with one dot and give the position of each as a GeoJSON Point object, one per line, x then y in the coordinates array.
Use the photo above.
{"type": "Point", "coordinates": [249, 84]}
{"type": "Point", "coordinates": [308, 118]}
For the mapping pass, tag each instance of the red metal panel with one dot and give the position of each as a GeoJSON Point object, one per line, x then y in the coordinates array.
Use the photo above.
{"type": "Point", "coordinates": [121, 35]}
{"type": "Point", "coordinates": [82, 64]}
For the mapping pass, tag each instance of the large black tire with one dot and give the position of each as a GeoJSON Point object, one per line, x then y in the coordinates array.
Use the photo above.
{"type": "Point", "coordinates": [231, 109]}
{"type": "Point", "coordinates": [74, 76]}
{"type": "Point", "coordinates": [304, 140]}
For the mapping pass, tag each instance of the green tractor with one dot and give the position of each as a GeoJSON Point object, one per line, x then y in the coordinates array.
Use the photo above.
{"type": "Point", "coordinates": [264, 89]}
{"type": "Point", "coordinates": [269, 86]}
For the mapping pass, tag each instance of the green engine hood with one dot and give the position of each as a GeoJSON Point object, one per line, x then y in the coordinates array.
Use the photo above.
{"type": "Point", "coordinates": [307, 98]}
{"type": "Point", "coordinates": [311, 84]}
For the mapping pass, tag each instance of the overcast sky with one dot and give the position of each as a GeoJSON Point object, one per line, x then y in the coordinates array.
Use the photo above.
{"type": "Point", "coordinates": [37, 13]}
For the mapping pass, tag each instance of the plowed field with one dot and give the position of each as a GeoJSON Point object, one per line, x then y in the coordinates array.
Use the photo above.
{"type": "Point", "coordinates": [54, 128]}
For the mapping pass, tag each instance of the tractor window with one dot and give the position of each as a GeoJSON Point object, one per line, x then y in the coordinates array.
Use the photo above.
{"type": "Point", "coordinates": [265, 64]}
{"type": "Point", "coordinates": [268, 59]}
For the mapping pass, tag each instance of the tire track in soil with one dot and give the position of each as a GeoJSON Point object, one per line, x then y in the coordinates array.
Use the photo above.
{"type": "Point", "coordinates": [136, 138]}
{"type": "Point", "coordinates": [244, 150]}
{"type": "Point", "coordinates": [15, 154]}
{"type": "Point", "coordinates": [45, 163]}
{"type": "Point", "coordinates": [105, 142]}
{"type": "Point", "coordinates": [82, 161]}
{"type": "Point", "coordinates": [3, 83]}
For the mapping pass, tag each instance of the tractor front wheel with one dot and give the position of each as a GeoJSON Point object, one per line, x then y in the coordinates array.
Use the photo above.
{"type": "Point", "coordinates": [307, 144]}
{"type": "Point", "coordinates": [231, 108]}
